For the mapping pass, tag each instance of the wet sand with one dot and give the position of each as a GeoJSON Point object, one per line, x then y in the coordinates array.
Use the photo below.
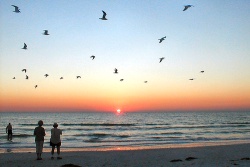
{"type": "Point", "coordinates": [226, 155]}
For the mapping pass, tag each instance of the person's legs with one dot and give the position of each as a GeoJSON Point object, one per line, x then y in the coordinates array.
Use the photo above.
{"type": "Point", "coordinates": [52, 151]}
{"type": "Point", "coordinates": [9, 134]}
{"type": "Point", "coordinates": [41, 149]}
{"type": "Point", "coordinates": [58, 150]}
{"type": "Point", "coordinates": [37, 150]}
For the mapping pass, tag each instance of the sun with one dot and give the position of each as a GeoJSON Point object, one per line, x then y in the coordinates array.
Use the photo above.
{"type": "Point", "coordinates": [118, 111]}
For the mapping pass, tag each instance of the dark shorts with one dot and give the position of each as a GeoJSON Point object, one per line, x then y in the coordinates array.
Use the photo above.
{"type": "Point", "coordinates": [9, 132]}
{"type": "Point", "coordinates": [55, 145]}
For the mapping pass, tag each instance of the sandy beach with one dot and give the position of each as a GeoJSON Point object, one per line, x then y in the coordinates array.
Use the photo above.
{"type": "Point", "coordinates": [227, 155]}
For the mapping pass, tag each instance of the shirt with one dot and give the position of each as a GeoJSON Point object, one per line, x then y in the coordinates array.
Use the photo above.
{"type": "Point", "coordinates": [9, 127]}
{"type": "Point", "coordinates": [55, 135]}
{"type": "Point", "coordinates": [39, 132]}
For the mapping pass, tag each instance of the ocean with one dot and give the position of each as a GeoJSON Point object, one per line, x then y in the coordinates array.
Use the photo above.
{"type": "Point", "coordinates": [128, 130]}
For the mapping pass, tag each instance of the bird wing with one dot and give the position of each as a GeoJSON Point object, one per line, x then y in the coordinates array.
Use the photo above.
{"type": "Point", "coordinates": [104, 14]}
{"type": "Point", "coordinates": [46, 32]}
{"type": "Point", "coordinates": [185, 8]}
{"type": "Point", "coordinates": [25, 45]}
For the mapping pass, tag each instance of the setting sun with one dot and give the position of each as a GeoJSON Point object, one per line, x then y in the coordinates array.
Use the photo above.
{"type": "Point", "coordinates": [118, 111]}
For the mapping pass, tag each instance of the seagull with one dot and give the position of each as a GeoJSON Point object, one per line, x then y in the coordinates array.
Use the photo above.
{"type": "Point", "coordinates": [162, 39]}
{"type": "Point", "coordinates": [61, 78]}
{"type": "Point", "coordinates": [103, 16]}
{"type": "Point", "coordinates": [93, 57]}
{"type": "Point", "coordinates": [78, 77]}
{"type": "Point", "coordinates": [45, 32]}
{"type": "Point", "coordinates": [161, 59]}
{"type": "Point", "coordinates": [202, 71]}
{"type": "Point", "coordinates": [14, 78]}
{"type": "Point", "coordinates": [145, 81]}
{"type": "Point", "coordinates": [24, 46]}
{"type": "Point", "coordinates": [187, 6]}
{"type": "Point", "coordinates": [24, 70]}
{"type": "Point", "coordinates": [17, 10]}
{"type": "Point", "coordinates": [121, 79]}
{"type": "Point", "coordinates": [116, 71]}
{"type": "Point", "coordinates": [46, 75]}
{"type": "Point", "coordinates": [27, 77]}
{"type": "Point", "coordinates": [191, 79]}
{"type": "Point", "coordinates": [35, 86]}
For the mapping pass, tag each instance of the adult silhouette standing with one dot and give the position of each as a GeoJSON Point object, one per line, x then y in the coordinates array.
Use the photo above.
{"type": "Point", "coordinates": [55, 140]}
{"type": "Point", "coordinates": [9, 131]}
{"type": "Point", "coordinates": [39, 132]}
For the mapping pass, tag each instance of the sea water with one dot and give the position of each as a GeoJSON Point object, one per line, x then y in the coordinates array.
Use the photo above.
{"type": "Point", "coordinates": [111, 130]}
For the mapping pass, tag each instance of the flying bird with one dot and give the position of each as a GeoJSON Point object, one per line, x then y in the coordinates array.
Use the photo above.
{"type": "Point", "coordinates": [187, 6]}
{"type": "Point", "coordinates": [202, 71]}
{"type": "Point", "coordinates": [145, 81]}
{"type": "Point", "coordinates": [121, 79]}
{"type": "Point", "coordinates": [46, 32]}
{"type": "Point", "coordinates": [162, 39]}
{"type": "Point", "coordinates": [17, 10]}
{"type": "Point", "coordinates": [161, 59]}
{"type": "Point", "coordinates": [35, 86]}
{"type": "Point", "coordinates": [24, 46]}
{"type": "Point", "coordinates": [14, 78]}
{"type": "Point", "coordinates": [116, 71]}
{"type": "Point", "coordinates": [27, 77]}
{"type": "Point", "coordinates": [191, 79]}
{"type": "Point", "coordinates": [103, 16]}
{"type": "Point", "coordinates": [24, 70]}
{"type": "Point", "coordinates": [61, 78]}
{"type": "Point", "coordinates": [78, 77]}
{"type": "Point", "coordinates": [46, 75]}
{"type": "Point", "coordinates": [93, 57]}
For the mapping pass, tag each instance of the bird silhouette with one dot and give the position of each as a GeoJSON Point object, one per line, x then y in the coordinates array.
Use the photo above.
{"type": "Point", "coordinates": [145, 81]}
{"type": "Point", "coordinates": [17, 10]}
{"type": "Point", "coordinates": [46, 32]}
{"type": "Point", "coordinates": [162, 39]}
{"type": "Point", "coordinates": [191, 79]}
{"type": "Point", "coordinates": [14, 78]}
{"type": "Point", "coordinates": [103, 16]}
{"type": "Point", "coordinates": [35, 86]}
{"type": "Point", "coordinates": [93, 57]}
{"type": "Point", "coordinates": [116, 71]}
{"type": "Point", "coordinates": [24, 46]}
{"type": "Point", "coordinates": [121, 79]}
{"type": "Point", "coordinates": [46, 75]}
{"type": "Point", "coordinates": [27, 77]}
{"type": "Point", "coordinates": [61, 78]}
{"type": "Point", "coordinates": [78, 77]}
{"type": "Point", "coordinates": [187, 6]}
{"type": "Point", "coordinates": [202, 71]}
{"type": "Point", "coordinates": [24, 70]}
{"type": "Point", "coordinates": [161, 59]}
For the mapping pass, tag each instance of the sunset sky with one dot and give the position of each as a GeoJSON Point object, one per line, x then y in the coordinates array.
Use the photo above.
{"type": "Point", "coordinates": [213, 36]}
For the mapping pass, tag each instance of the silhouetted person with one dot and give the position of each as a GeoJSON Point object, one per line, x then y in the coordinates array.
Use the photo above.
{"type": "Point", "coordinates": [55, 140]}
{"type": "Point", "coordinates": [9, 131]}
{"type": "Point", "coordinates": [39, 132]}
